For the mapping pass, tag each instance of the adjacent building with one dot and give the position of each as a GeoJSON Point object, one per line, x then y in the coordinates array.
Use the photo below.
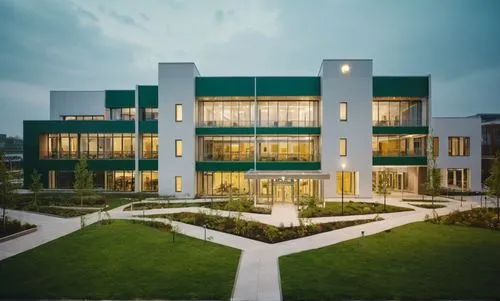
{"type": "Point", "coordinates": [272, 138]}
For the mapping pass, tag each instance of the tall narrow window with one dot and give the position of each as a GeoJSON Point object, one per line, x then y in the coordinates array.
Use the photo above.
{"type": "Point", "coordinates": [435, 146]}
{"type": "Point", "coordinates": [343, 147]}
{"type": "Point", "coordinates": [178, 184]}
{"type": "Point", "coordinates": [178, 112]}
{"type": "Point", "coordinates": [343, 111]}
{"type": "Point", "coordinates": [178, 148]}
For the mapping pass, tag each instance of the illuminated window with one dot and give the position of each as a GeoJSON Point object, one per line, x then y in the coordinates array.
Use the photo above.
{"type": "Point", "coordinates": [178, 184]}
{"type": "Point", "coordinates": [343, 111]}
{"type": "Point", "coordinates": [343, 147]}
{"type": "Point", "coordinates": [178, 148]}
{"type": "Point", "coordinates": [458, 146]}
{"type": "Point", "coordinates": [349, 182]}
{"type": "Point", "coordinates": [435, 146]}
{"type": "Point", "coordinates": [178, 113]}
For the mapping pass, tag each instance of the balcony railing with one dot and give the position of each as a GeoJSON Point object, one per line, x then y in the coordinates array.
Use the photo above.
{"type": "Point", "coordinates": [398, 123]}
{"type": "Point", "coordinates": [87, 155]}
{"type": "Point", "coordinates": [260, 158]}
{"type": "Point", "coordinates": [250, 123]}
{"type": "Point", "coordinates": [415, 153]}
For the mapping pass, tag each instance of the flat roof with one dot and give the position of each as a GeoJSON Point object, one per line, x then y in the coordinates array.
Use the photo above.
{"type": "Point", "coordinates": [287, 174]}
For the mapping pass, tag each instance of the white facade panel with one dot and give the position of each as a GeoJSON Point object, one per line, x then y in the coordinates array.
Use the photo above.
{"type": "Point", "coordinates": [445, 127]}
{"type": "Point", "coordinates": [355, 88]}
{"type": "Point", "coordinates": [176, 85]}
{"type": "Point", "coordinates": [76, 103]}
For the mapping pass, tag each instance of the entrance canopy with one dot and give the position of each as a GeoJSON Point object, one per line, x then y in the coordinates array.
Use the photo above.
{"type": "Point", "coordinates": [287, 174]}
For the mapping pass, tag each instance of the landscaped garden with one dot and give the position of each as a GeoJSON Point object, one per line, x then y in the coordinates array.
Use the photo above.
{"type": "Point", "coordinates": [416, 261]}
{"type": "Point", "coordinates": [311, 208]}
{"type": "Point", "coordinates": [425, 200]}
{"type": "Point", "coordinates": [429, 206]}
{"type": "Point", "coordinates": [236, 204]}
{"type": "Point", "coordinates": [12, 226]}
{"type": "Point", "coordinates": [478, 217]}
{"type": "Point", "coordinates": [122, 260]}
{"type": "Point", "coordinates": [255, 230]}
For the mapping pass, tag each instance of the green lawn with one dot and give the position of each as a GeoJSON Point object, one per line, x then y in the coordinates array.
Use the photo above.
{"type": "Point", "coordinates": [416, 261]}
{"type": "Point", "coordinates": [121, 261]}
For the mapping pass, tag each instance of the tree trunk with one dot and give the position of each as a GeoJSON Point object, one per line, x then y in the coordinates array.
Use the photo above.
{"type": "Point", "coordinates": [385, 195]}
{"type": "Point", "coordinates": [498, 210]}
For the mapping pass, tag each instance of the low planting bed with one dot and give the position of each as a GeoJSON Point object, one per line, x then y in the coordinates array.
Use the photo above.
{"type": "Point", "coordinates": [255, 230]}
{"type": "Point", "coordinates": [425, 200]}
{"type": "Point", "coordinates": [241, 205]}
{"type": "Point", "coordinates": [13, 226]}
{"type": "Point", "coordinates": [478, 217]}
{"type": "Point", "coordinates": [350, 208]}
{"type": "Point", "coordinates": [429, 206]}
{"type": "Point", "coordinates": [61, 212]}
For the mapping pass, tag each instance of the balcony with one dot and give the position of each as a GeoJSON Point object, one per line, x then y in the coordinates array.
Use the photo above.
{"type": "Point", "coordinates": [294, 127]}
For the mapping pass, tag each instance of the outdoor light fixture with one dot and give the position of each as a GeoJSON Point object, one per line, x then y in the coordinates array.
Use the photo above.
{"type": "Point", "coordinates": [345, 68]}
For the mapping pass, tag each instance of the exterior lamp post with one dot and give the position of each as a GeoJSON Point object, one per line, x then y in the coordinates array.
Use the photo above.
{"type": "Point", "coordinates": [342, 188]}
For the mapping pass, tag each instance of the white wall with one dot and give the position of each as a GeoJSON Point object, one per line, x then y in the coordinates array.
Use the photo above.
{"type": "Point", "coordinates": [76, 103]}
{"type": "Point", "coordinates": [355, 88]}
{"type": "Point", "coordinates": [444, 127]}
{"type": "Point", "coordinates": [176, 85]}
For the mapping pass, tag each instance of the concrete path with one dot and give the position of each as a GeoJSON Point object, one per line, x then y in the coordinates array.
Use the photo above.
{"type": "Point", "coordinates": [258, 276]}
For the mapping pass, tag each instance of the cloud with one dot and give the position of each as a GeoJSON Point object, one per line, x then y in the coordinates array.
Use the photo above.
{"type": "Point", "coordinates": [144, 17]}
{"type": "Point", "coordinates": [121, 18]}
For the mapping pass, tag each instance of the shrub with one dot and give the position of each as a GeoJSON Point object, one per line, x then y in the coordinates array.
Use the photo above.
{"type": "Point", "coordinates": [479, 217]}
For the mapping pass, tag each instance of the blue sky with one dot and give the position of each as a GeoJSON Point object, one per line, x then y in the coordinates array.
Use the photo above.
{"type": "Point", "coordinates": [116, 44]}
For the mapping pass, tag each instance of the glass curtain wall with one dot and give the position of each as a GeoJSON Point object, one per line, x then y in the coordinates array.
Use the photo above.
{"type": "Point", "coordinates": [211, 183]}
{"type": "Point", "coordinates": [225, 113]}
{"type": "Point", "coordinates": [397, 113]}
{"type": "Point", "coordinates": [288, 113]}
{"type": "Point", "coordinates": [396, 145]}
{"type": "Point", "coordinates": [90, 145]}
{"type": "Point", "coordinates": [118, 180]}
{"type": "Point", "coordinates": [149, 146]}
{"type": "Point", "coordinates": [149, 180]}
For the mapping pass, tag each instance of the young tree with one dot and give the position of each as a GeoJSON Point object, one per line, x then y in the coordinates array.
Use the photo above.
{"type": "Point", "coordinates": [83, 180]}
{"type": "Point", "coordinates": [383, 185]}
{"type": "Point", "coordinates": [6, 189]}
{"type": "Point", "coordinates": [36, 186]}
{"type": "Point", "coordinates": [433, 178]}
{"type": "Point", "coordinates": [493, 183]}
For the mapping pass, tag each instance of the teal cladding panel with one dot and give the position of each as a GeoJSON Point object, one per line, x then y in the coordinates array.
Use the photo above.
{"type": "Point", "coordinates": [224, 86]}
{"type": "Point", "coordinates": [148, 126]}
{"type": "Point", "coordinates": [399, 161]}
{"type": "Point", "coordinates": [148, 164]}
{"type": "Point", "coordinates": [260, 131]}
{"type": "Point", "coordinates": [394, 130]}
{"type": "Point", "coordinates": [81, 126]}
{"type": "Point", "coordinates": [244, 166]}
{"type": "Point", "coordinates": [401, 86]}
{"type": "Point", "coordinates": [289, 86]}
{"type": "Point", "coordinates": [120, 98]}
{"type": "Point", "coordinates": [148, 96]}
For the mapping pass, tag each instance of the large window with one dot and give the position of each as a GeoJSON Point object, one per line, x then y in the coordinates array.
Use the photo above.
{"type": "Point", "coordinates": [121, 113]}
{"type": "Point", "coordinates": [149, 113]}
{"type": "Point", "coordinates": [149, 180]}
{"type": "Point", "coordinates": [396, 145]}
{"type": "Point", "coordinates": [458, 178]}
{"type": "Point", "coordinates": [222, 183]}
{"type": "Point", "coordinates": [225, 113]}
{"type": "Point", "coordinates": [349, 182]}
{"type": "Point", "coordinates": [82, 117]}
{"type": "Point", "coordinates": [458, 146]}
{"type": "Point", "coordinates": [288, 113]}
{"type": "Point", "coordinates": [149, 146]}
{"type": "Point", "coordinates": [118, 180]}
{"type": "Point", "coordinates": [88, 145]}
{"type": "Point", "coordinates": [397, 113]}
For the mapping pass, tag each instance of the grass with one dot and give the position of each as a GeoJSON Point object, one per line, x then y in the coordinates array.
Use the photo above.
{"type": "Point", "coordinates": [429, 206]}
{"type": "Point", "coordinates": [255, 230]}
{"type": "Point", "coordinates": [425, 200]}
{"type": "Point", "coordinates": [121, 261]}
{"type": "Point", "coordinates": [350, 208]}
{"type": "Point", "coordinates": [416, 261]}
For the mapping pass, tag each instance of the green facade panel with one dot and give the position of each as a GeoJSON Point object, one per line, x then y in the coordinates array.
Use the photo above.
{"type": "Point", "coordinates": [148, 96]}
{"type": "Point", "coordinates": [400, 86]}
{"type": "Point", "coordinates": [377, 161]}
{"type": "Point", "coordinates": [260, 131]}
{"type": "Point", "coordinates": [148, 164]}
{"type": "Point", "coordinates": [244, 166]}
{"type": "Point", "coordinates": [105, 164]}
{"type": "Point", "coordinates": [148, 126]}
{"type": "Point", "coordinates": [224, 86]}
{"type": "Point", "coordinates": [394, 130]}
{"type": "Point", "coordinates": [79, 126]}
{"type": "Point", "coordinates": [120, 98]}
{"type": "Point", "coordinates": [289, 86]}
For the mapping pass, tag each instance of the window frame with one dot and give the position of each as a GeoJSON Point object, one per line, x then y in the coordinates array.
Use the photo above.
{"type": "Point", "coordinates": [341, 105]}
{"type": "Point", "coordinates": [178, 183]}
{"type": "Point", "coordinates": [343, 150]}
{"type": "Point", "coordinates": [177, 153]}
{"type": "Point", "coordinates": [177, 117]}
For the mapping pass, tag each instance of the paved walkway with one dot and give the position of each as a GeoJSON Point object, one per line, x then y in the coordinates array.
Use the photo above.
{"type": "Point", "coordinates": [258, 275]}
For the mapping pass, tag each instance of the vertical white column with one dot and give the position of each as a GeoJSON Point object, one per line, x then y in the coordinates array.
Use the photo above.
{"type": "Point", "coordinates": [137, 174]}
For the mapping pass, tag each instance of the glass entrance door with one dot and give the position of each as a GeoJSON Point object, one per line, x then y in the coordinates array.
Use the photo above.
{"type": "Point", "coordinates": [283, 193]}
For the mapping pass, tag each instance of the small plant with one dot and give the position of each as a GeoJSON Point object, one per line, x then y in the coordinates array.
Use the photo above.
{"type": "Point", "coordinates": [35, 186]}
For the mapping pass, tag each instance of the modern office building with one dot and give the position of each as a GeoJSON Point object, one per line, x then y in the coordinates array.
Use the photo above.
{"type": "Point", "coordinates": [273, 138]}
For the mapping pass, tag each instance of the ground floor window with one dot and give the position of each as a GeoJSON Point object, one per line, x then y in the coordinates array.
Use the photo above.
{"type": "Point", "coordinates": [458, 178]}
{"type": "Point", "coordinates": [222, 183]}
{"type": "Point", "coordinates": [149, 180]}
{"type": "Point", "coordinates": [349, 179]}
{"type": "Point", "coordinates": [397, 179]}
{"type": "Point", "coordinates": [108, 180]}
{"type": "Point", "coordinates": [283, 190]}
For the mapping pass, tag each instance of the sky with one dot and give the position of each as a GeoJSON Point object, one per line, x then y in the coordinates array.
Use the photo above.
{"type": "Point", "coordinates": [116, 44]}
